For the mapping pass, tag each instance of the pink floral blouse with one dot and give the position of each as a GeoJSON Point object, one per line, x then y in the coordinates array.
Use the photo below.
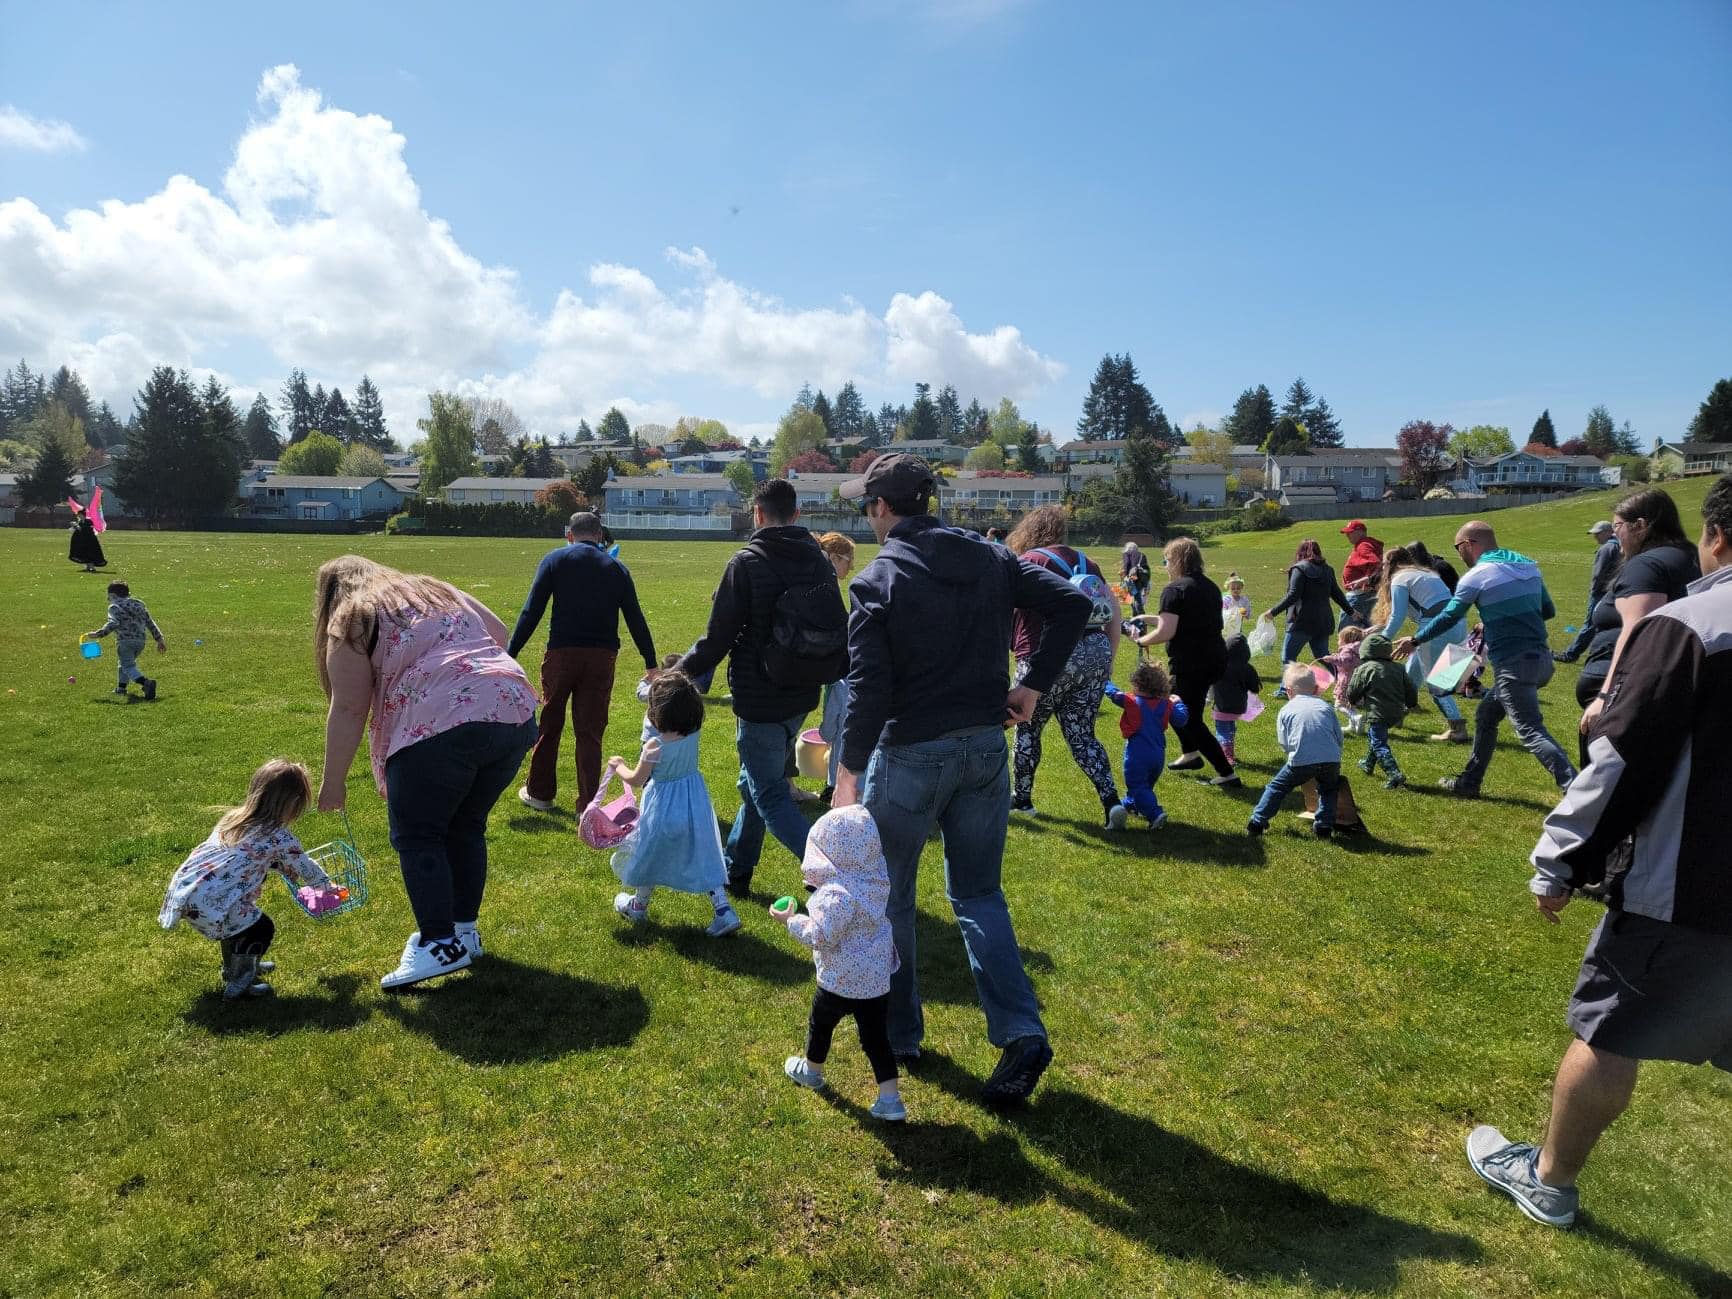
{"type": "Point", "coordinates": [436, 671]}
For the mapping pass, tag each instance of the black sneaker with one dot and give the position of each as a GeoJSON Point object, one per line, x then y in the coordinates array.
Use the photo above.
{"type": "Point", "coordinates": [1459, 787]}
{"type": "Point", "coordinates": [1321, 831]}
{"type": "Point", "coordinates": [739, 886]}
{"type": "Point", "coordinates": [1019, 1069]}
{"type": "Point", "coordinates": [1353, 831]}
{"type": "Point", "coordinates": [1254, 826]}
{"type": "Point", "coordinates": [149, 684]}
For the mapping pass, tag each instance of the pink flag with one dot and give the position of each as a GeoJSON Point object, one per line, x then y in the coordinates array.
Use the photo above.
{"type": "Point", "coordinates": [77, 509]}
{"type": "Point", "coordinates": [96, 519]}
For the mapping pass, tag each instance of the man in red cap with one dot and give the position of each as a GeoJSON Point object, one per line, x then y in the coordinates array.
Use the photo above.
{"type": "Point", "coordinates": [1360, 573]}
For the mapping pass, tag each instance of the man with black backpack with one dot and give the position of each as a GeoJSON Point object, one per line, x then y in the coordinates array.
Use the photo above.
{"type": "Point", "coordinates": [778, 618]}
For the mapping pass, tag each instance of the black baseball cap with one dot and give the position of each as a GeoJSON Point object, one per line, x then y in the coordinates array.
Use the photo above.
{"type": "Point", "coordinates": [898, 476]}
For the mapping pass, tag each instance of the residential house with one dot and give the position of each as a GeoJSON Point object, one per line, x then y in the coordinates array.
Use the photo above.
{"type": "Point", "coordinates": [1004, 495]}
{"type": "Point", "coordinates": [495, 491]}
{"type": "Point", "coordinates": [671, 494]}
{"type": "Point", "coordinates": [578, 455]}
{"type": "Point", "coordinates": [296, 496]}
{"type": "Point", "coordinates": [816, 492]}
{"type": "Point", "coordinates": [1676, 458]}
{"type": "Point", "coordinates": [1304, 494]}
{"type": "Point", "coordinates": [407, 481]}
{"type": "Point", "coordinates": [934, 451]}
{"type": "Point", "coordinates": [1522, 471]}
{"type": "Point", "coordinates": [1204, 486]}
{"type": "Point", "coordinates": [716, 462]}
{"type": "Point", "coordinates": [1353, 473]}
{"type": "Point", "coordinates": [9, 501]}
{"type": "Point", "coordinates": [400, 460]}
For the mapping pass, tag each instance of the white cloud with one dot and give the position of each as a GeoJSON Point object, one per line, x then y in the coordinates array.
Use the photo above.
{"type": "Point", "coordinates": [1207, 418]}
{"type": "Point", "coordinates": [19, 130]}
{"type": "Point", "coordinates": [317, 251]}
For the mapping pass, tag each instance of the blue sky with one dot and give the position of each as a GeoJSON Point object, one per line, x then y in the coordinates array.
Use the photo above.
{"type": "Point", "coordinates": [1461, 213]}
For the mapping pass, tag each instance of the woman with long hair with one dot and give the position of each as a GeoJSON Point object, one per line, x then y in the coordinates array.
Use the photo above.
{"type": "Point", "coordinates": [1409, 586]}
{"type": "Point", "coordinates": [1189, 625]}
{"type": "Point", "coordinates": [1658, 560]}
{"type": "Point", "coordinates": [1074, 698]}
{"type": "Point", "coordinates": [452, 715]}
{"type": "Point", "coordinates": [1311, 586]}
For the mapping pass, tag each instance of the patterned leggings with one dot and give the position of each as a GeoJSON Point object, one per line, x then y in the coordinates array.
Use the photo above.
{"type": "Point", "coordinates": [1074, 699]}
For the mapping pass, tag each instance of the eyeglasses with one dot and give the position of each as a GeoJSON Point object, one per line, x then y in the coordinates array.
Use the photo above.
{"type": "Point", "coordinates": [866, 506]}
{"type": "Point", "coordinates": [1460, 544]}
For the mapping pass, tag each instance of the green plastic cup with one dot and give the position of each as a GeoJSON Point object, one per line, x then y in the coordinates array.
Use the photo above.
{"type": "Point", "coordinates": [783, 905]}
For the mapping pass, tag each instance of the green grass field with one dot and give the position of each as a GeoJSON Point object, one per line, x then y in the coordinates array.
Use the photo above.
{"type": "Point", "coordinates": [1268, 1051]}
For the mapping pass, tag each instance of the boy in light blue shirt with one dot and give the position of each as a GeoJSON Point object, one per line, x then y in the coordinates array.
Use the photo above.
{"type": "Point", "coordinates": [1310, 735]}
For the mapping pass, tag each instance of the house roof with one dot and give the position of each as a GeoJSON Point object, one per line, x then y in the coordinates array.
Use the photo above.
{"type": "Point", "coordinates": [965, 482]}
{"type": "Point", "coordinates": [820, 479]}
{"type": "Point", "coordinates": [506, 484]}
{"type": "Point", "coordinates": [1308, 491]}
{"type": "Point", "coordinates": [1342, 459]}
{"type": "Point", "coordinates": [672, 482]}
{"type": "Point", "coordinates": [1196, 471]}
{"type": "Point", "coordinates": [313, 480]}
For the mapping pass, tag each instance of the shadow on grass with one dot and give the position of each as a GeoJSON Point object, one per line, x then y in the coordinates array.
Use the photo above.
{"type": "Point", "coordinates": [742, 953]}
{"type": "Point", "coordinates": [283, 1013]}
{"type": "Point", "coordinates": [1177, 841]}
{"type": "Point", "coordinates": [542, 823]}
{"type": "Point", "coordinates": [1702, 1278]}
{"type": "Point", "coordinates": [504, 1012]}
{"type": "Point", "coordinates": [1162, 1190]}
{"type": "Point", "coordinates": [942, 962]}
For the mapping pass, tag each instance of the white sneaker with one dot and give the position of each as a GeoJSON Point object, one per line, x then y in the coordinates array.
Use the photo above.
{"type": "Point", "coordinates": [539, 804]}
{"type": "Point", "coordinates": [727, 921]}
{"type": "Point", "coordinates": [890, 1109]}
{"type": "Point", "coordinates": [1158, 823]}
{"type": "Point", "coordinates": [628, 905]}
{"type": "Point", "coordinates": [470, 937]}
{"type": "Point", "coordinates": [426, 961]}
{"type": "Point", "coordinates": [1116, 817]}
{"type": "Point", "coordinates": [800, 1070]}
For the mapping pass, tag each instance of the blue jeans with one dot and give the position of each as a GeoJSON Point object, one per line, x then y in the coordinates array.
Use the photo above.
{"type": "Point", "coordinates": [766, 749]}
{"type": "Point", "coordinates": [1515, 693]}
{"type": "Point", "coordinates": [961, 784]}
{"type": "Point", "coordinates": [1362, 603]}
{"type": "Point", "coordinates": [1416, 670]}
{"type": "Point", "coordinates": [438, 792]}
{"type": "Point", "coordinates": [127, 651]}
{"type": "Point", "coordinates": [1290, 777]}
{"type": "Point", "coordinates": [1379, 753]}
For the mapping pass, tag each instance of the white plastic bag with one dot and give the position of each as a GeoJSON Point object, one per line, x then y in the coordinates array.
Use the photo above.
{"type": "Point", "coordinates": [1262, 637]}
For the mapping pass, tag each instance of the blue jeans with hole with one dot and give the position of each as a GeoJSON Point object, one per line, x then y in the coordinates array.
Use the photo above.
{"type": "Point", "coordinates": [961, 784]}
{"type": "Point", "coordinates": [1515, 693]}
{"type": "Point", "coordinates": [766, 749]}
{"type": "Point", "coordinates": [439, 792]}
{"type": "Point", "coordinates": [1289, 778]}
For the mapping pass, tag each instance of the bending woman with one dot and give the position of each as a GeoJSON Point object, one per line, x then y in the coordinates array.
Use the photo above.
{"type": "Point", "coordinates": [1410, 587]}
{"type": "Point", "coordinates": [452, 716]}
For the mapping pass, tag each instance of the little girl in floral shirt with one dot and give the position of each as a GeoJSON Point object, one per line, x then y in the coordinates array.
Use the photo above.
{"type": "Point", "coordinates": [216, 890]}
{"type": "Point", "coordinates": [845, 927]}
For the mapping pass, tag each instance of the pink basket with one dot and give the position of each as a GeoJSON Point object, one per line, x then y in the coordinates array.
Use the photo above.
{"type": "Point", "coordinates": [606, 825]}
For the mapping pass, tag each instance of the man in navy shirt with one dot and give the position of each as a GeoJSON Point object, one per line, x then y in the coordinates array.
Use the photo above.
{"type": "Point", "coordinates": [590, 590]}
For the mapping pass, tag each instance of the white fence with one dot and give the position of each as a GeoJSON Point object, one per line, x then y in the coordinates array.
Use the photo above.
{"type": "Point", "coordinates": [720, 524]}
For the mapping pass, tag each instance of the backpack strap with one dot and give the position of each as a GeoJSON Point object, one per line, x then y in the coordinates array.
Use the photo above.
{"type": "Point", "coordinates": [753, 548]}
{"type": "Point", "coordinates": [1050, 553]}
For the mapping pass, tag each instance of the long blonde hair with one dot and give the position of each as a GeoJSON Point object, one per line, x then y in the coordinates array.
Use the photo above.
{"type": "Point", "coordinates": [349, 594]}
{"type": "Point", "coordinates": [276, 796]}
{"type": "Point", "coordinates": [1185, 555]}
{"type": "Point", "coordinates": [1395, 559]}
{"type": "Point", "coordinates": [1045, 526]}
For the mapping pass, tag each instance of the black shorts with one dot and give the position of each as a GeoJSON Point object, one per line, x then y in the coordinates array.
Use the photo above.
{"type": "Point", "coordinates": [1655, 991]}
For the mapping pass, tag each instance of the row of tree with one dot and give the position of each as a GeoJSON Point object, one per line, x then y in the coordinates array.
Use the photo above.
{"type": "Point", "coordinates": [311, 409]}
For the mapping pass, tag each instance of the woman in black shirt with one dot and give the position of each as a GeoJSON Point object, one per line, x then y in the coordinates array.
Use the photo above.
{"type": "Point", "coordinates": [1659, 561]}
{"type": "Point", "coordinates": [1189, 625]}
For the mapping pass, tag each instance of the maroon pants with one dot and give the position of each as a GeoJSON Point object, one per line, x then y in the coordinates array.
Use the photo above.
{"type": "Point", "coordinates": [585, 678]}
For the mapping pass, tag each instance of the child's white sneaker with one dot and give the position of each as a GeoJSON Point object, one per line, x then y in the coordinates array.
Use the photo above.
{"type": "Point", "coordinates": [800, 1070]}
{"type": "Point", "coordinates": [631, 907]}
{"type": "Point", "coordinates": [1158, 823]}
{"type": "Point", "coordinates": [727, 922]}
{"type": "Point", "coordinates": [890, 1109]}
{"type": "Point", "coordinates": [423, 961]}
{"type": "Point", "coordinates": [470, 937]}
{"type": "Point", "coordinates": [1116, 817]}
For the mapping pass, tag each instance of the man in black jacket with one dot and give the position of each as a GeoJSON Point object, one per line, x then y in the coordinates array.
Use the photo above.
{"type": "Point", "coordinates": [929, 698]}
{"type": "Point", "coordinates": [768, 715]}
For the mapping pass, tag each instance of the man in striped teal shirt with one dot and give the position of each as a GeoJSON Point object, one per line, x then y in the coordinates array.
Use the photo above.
{"type": "Point", "coordinates": [1514, 606]}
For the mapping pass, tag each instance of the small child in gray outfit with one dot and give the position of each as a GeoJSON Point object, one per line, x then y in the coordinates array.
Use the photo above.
{"type": "Point", "coordinates": [130, 621]}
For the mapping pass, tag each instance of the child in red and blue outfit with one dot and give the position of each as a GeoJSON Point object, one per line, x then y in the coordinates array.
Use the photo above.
{"type": "Point", "coordinates": [1149, 709]}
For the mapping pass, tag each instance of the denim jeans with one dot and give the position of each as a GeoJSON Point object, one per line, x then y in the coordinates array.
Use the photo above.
{"type": "Point", "coordinates": [1419, 664]}
{"type": "Point", "coordinates": [1290, 777]}
{"type": "Point", "coordinates": [1362, 603]}
{"type": "Point", "coordinates": [1295, 640]}
{"type": "Point", "coordinates": [1515, 693]}
{"type": "Point", "coordinates": [1379, 753]}
{"type": "Point", "coordinates": [127, 651]}
{"type": "Point", "coordinates": [1584, 634]}
{"type": "Point", "coordinates": [766, 749]}
{"type": "Point", "coordinates": [439, 792]}
{"type": "Point", "coordinates": [960, 783]}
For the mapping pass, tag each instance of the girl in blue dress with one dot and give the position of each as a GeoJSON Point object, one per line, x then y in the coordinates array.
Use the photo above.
{"type": "Point", "coordinates": [676, 843]}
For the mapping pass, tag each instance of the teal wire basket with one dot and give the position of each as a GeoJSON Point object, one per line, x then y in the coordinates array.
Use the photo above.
{"type": "Point", "coordinates": [347, 869]}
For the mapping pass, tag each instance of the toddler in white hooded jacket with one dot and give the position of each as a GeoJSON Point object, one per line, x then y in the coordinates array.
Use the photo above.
{"type": "Point", "coordinates": [845, 927]}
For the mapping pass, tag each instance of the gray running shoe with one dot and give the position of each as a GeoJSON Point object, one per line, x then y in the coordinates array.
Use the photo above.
{"type": "Point", "coordinates": [1513, 1168]}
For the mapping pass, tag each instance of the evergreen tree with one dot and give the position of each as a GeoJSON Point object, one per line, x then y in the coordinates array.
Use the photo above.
{"type": "Point", "coordinates": [104, 430]}
{"type": "Point", "coordinates": [319, 400]}
{"type": "Point", "coordinates": [300, 416]}
{"type": "Point", "coordinates": [336, 419]}
{"type": "Point", "coordinates": [1142, 484]}
{"type": "Point", "coordinates": [1118, 406]}
{"type": "Point", "coordinates": [614, 426]}
{"type": "Point", "coordinates": [368, 417]}
{"type": "Point", "coordinates": [69, 390]}
{"type": "Point", "coordinates": [1628, 444]}
{"type": "Point", "coordinates": [449, 450]}
{"type": "Point", "coordinates": [848, 414]}
{"type": "Point", "coordinates": [804, 400]}
{"type": "Point", "coordinates": [1253, 417]}
{"type": "Point", "coordinates": [949, 415]}
{"type": "Point", "coordinates": [259, 431]}
{"type": "Point", "coordinates": [1028, 450]}
{"type": "Point", "coordinates": [889, 425]}
{"type": "Point", "coordinates": [1712, 421]}
{"type": "Point", "coordinates": [1321, 424]}
{"type": "Point", "coordinates": [869, 435]}
{"type": "Point", "coordinates": [22, 393]}
{"type": "Point", "coordinates": [922, 415]}
{"type": "Point", "coordinates": [1288, 438]}
{"type": "Point", "coordinates": [1299, 399]}
{"type": "Point", "coordinates": [182, 454]}
{"type": "Point", "coordinates": [976, 424]}
{"type": "Point", "coordinates": [49, 480]}
{"type": "Point", "coordinates": [821, 408]}
{"type": "Point", "coordinates": [584, 433]}
{"type": "Point", "coordinates": [1601, 435]}
{"type": "Point", "coordinates": [1544, 433]}
{"type": "Point", "coordinates": [541, 461]}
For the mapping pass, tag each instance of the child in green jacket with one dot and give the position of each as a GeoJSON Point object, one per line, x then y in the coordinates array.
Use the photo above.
{"type": "Point", "coordinates": [1382, 689]}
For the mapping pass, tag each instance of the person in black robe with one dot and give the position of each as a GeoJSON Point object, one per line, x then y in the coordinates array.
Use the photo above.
{"type": "Point", "coordinates": [85, 548]}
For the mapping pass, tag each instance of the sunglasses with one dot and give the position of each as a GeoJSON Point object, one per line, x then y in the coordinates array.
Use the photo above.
{"type": "Point", "coordinates": [866, 505]}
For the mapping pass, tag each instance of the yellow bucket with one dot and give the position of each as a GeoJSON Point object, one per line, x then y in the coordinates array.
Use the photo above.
{"type": "Point", "coordinates": [812, 755]}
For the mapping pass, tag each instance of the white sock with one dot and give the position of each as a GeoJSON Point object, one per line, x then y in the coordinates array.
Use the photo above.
{"type": "Point", "coordinates": [644, 891]}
